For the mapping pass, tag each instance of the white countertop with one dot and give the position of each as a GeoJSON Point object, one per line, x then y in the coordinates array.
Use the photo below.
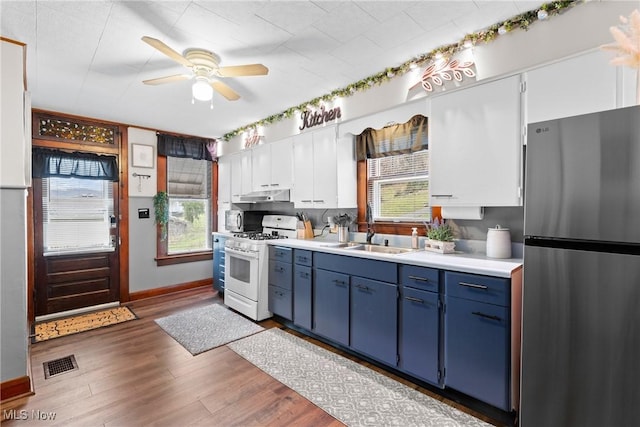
{"type": "Point", "coordinates": [463, 262]}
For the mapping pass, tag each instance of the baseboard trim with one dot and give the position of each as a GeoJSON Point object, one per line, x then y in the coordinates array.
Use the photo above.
{"type": "Point", "coordinates": [134, 296]}
{"type": "Point", "coordinates": [15, 388]}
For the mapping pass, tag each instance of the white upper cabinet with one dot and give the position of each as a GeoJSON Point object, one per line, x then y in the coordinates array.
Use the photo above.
{"type": "Point", "coordinates": [272, 166]}
{"type": "Point", "coordinates": [240, 175]}
{"type": "Point", "coordinates": [324, 171]}
{"type": "Point", "coordinates": [303, 169]}
{"type": "Point", "coordinates": [15, 116]}
{"type": "Point", "coordinates": [475, 144]}
{"type": "Point", "coordinates": [578, 85]}
{"type": "Point", "coordinates": [224, 179]}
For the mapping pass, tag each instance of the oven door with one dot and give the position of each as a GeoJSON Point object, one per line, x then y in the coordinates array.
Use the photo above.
{"type": "Point", "coordinates": [241, 273]}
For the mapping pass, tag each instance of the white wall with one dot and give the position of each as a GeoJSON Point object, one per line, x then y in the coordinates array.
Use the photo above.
{"type": "Point", "coordinates": [142, 187]}
{"type": "Point", "coordinates": [144, 273]}
{"type": "Point", "coordinates": [14, 159]}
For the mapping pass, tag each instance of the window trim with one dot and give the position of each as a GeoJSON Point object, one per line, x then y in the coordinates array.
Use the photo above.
{"type": "Point", "coordinates": [162, 256]}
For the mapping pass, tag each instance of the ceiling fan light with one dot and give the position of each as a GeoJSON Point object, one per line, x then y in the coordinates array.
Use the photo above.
{"type": "Point", "coordinates": [202, 90]}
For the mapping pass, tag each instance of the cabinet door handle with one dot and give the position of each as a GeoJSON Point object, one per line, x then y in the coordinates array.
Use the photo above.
{"type": "Point", "coordinates": [339, 282]}
{"type": "Point", "coordinates": [442, 195]}
{"type": "Point", "coordinates": [487, 316]}
{"type": "Point", "coordinates": [422, 279]}
{"type": "Point", "coordinates": [318, 201]}
{"type": "Point", "coordinates": [264, 185]}
{"type": "Point", "coordinates": [363, 287]}
{"type": "Point", "coordinates": [304, 275]}
{"type": "Point", "coordinates": [306, 201]}
{"type": "Point", "coordinates": [279, 269]}
{"type": "Point", "coordinates": [473, 285]}
{"type": "Point", "coordinates": [275, 185]}
{"type": "Point", "coordinates": [413, 299]}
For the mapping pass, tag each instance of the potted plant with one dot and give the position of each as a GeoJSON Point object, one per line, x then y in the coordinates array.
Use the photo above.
{"type": "Point", "coordinates": [161, 209]}
{"type": "Point", "coordinates": [439, 238]}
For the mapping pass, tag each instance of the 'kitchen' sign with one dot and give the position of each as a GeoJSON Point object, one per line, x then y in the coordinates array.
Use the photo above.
{"type": "Point", "coordinates": [310, 119]}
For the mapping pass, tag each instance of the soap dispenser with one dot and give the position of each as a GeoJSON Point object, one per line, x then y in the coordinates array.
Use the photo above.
{"type": "Point", "coordinates": [414, 238]}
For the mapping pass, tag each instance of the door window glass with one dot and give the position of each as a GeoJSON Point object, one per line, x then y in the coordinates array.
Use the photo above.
{"type": "Point", "coordinates": [76, 214]}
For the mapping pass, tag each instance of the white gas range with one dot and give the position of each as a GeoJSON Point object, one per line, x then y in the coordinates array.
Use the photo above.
{"type": "Point", "coordinates": [247, 265]}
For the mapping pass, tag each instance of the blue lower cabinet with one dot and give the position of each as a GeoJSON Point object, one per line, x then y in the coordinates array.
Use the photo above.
{"type": "Point", "coordinates": [419, 338]}
{"type": "Point", "coordinates": [477, 350]}
{"type": "Point", "coordinates": [374, 314]}
{"type": "Point", "coordinates": [331, 305]}
{"type": "Point", "coordinates": [280, 302]}
{"type": "Point", "coordinates": [218, 262]}
{"type": "Point", "coordinates": [302, 296]}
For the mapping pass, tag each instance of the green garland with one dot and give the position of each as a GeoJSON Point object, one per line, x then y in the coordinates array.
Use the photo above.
{"type": "Point", "coordinates": [521, 21]}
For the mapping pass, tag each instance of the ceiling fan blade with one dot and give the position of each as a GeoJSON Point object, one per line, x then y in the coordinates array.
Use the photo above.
{"type": "Point", "coordinates": [225, 91]}
{"type": "Point", "coordinates": [168, 79]}
{"type": "Point", "coordinates": [157, 44]}
{"type": "Point", "coordinates": [243, 70]}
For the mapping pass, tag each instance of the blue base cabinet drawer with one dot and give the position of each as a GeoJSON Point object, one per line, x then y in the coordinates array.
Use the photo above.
{"type": "Point", "coordinates": [419, 338]}
{"type": "Point", "coordinates": [280, 253]}
{"type": "Point", "coordinates": [331, 305]}
{"type": "Point", "coordinates": [477, 350]}
{"type": "Point", "coordinates": [493, 290]}
{"type": "Point", "coordinates": [280, 274]}
{"type": "Point", "coordinates": [302, 296]}
{"type": "Point", "coordinates": [424, 278]}
{"type": "Point", "coordinates": [280, 302]}
{"type": "Point", "coordinates": [302, 257]}
{"type": "Point", "coordinates": [374, 314]}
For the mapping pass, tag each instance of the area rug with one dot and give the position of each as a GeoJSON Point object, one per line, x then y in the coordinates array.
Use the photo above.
{"type": "Point", "coordinates": [81, 323]}
{"type": "Point", "coordinates": [204, 328]}
{"type": "Point", "coordinates": [350, 392]}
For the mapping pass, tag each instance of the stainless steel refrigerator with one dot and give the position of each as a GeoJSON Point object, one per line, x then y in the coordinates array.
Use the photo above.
{"type": "Point", "coordinates": [581, 286]}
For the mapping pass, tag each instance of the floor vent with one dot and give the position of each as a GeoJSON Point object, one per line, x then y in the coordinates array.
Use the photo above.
{"type": "Point", "coordinates": [59, 366]}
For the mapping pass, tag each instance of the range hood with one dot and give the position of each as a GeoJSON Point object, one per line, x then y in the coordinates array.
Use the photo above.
{"type": "Point", "coordinates": [266, 196]}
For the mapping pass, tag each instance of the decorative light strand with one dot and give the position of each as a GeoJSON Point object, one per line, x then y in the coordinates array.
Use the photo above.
{"type": "Point", "coordinates": [487, 35]}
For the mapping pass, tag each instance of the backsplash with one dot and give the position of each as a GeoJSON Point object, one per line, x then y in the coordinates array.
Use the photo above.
{"type": "Point", "coordinates": [507, 217]}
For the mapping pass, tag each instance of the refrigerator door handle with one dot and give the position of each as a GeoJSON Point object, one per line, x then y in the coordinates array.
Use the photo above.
{"type": "Point", "coordinates": [473, 285]}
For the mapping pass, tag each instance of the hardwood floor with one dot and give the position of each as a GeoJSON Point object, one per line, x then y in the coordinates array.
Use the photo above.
{"type": "Point", "coordinates": [134, 374]}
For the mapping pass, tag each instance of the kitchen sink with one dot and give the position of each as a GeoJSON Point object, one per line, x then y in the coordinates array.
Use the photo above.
{"type": "Point", "coordinates": [392, 250]}
{"type": "Point", "coordinates": [357, 246]}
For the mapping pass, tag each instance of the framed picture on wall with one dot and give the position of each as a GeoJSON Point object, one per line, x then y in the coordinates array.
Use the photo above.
{"type": "Point", "coordinates": [141, 156]}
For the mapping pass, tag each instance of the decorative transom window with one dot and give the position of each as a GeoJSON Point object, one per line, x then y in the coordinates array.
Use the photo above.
{"type": "Point", "coordinates": [398, 187]}
{"type": "Point", "coordinates": [189, 190]}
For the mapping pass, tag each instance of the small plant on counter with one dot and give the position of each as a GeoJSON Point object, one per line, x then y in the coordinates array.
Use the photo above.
{"type": "Point", "coordinates": [161, 209]}
{"type": "Point", "coordinates": [440, 231]}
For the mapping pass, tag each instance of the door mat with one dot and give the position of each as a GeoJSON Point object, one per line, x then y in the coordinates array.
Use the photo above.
{"type": "Point", "coordinates": [204, 328]}
{"type": "Point", "coordinates": [81, 323]}
{"type": "Point", "coordinates": [350, 392]}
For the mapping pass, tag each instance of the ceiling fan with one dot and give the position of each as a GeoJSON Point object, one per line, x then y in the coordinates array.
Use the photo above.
{"type": "Point", "coordinates": [204, 70]}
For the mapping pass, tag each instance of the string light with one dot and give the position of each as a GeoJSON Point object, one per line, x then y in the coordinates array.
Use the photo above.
{"type": "Point", "coordinates": [487, 35]}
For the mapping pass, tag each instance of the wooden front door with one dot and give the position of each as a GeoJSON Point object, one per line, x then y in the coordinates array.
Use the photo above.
{"type": "Point", "coordinates": [76, 244]}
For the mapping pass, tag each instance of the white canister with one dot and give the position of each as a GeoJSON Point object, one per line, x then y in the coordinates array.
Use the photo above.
{"type": "Point", "coordinates": [498, 242]}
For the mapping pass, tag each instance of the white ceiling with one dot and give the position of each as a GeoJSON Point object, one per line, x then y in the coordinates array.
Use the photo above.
{"type": "Point", "coordinates": [86, 57]}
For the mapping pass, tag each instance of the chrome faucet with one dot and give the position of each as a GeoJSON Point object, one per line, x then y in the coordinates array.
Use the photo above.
{"type": "Point", "coordinates": [369, 219]}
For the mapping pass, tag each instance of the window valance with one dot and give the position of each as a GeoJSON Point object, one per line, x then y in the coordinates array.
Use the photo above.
{"type": "Point", "coordinates": [186, 147]}
{"type": "Point", "coordinates": [392, 140]}
{"type": "Point", "coordinates": [47, 163]}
